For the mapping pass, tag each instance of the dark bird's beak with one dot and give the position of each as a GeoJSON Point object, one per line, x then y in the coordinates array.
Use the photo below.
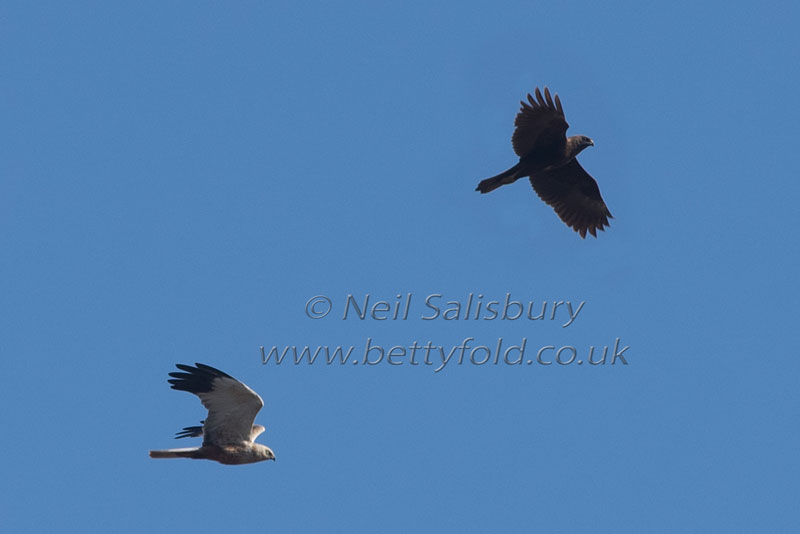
{"type": "Point", "coordinates": [591, 142]}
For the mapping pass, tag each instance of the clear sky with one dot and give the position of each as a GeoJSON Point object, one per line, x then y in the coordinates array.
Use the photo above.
{"type": "Point", "coordinates": [178, 179]}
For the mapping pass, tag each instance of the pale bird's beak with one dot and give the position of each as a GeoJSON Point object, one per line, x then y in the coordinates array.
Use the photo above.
{"type": "Point", "coordinates": [591, 142]}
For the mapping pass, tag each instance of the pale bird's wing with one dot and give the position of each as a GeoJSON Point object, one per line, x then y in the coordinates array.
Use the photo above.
{"type": "Point", "coordinates": [575, 197]}
{"type": "Point", "coordinates": [197, 431]}
{"type": "Point", "coordinates": [256, 431]}
{"type": "Point", "coordinates": [232, 406]}
{"type": "Point", "coordinates": [540, 126]}
{"type": "Point", "coordinates": [190, 432]}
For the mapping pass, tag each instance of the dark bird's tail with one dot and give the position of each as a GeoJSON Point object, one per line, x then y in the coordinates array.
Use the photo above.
{"type": "Point", "coordinates": [507, 177]}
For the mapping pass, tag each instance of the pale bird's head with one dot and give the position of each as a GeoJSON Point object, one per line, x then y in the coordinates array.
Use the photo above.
{"type": "Point", "coordinates": [267, 453]}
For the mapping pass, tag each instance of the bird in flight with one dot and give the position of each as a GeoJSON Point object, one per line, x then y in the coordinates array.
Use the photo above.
{"type": "Point", "coordinates": [229, 430]}
{"type": "Point", "coordinates": [548, 157]}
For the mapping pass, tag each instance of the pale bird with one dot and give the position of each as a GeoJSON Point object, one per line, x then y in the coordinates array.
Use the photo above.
{"type": "Point", "coordinates": [229, 430]}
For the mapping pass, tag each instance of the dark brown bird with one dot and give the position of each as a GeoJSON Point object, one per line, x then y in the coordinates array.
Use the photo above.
{"type": "Point", "coordinates": [548, 157]}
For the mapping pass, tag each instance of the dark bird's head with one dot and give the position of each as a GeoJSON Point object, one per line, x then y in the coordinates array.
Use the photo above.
{"type": "Point", "coordinates": [576, 143]}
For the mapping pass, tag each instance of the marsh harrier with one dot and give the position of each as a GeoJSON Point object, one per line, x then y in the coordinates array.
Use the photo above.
{"type": "Point", "coordinates": [229, 430]}
{"type": "Point", "coordinates": [548, 157]}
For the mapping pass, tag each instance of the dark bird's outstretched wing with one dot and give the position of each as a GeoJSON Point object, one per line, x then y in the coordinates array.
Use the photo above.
{"type": "Point", "coordinates": [540, 126]}
{"type": "Point", "coordinates": [575, 197]}
{"type": "Point", "coordinates": [232, 406]}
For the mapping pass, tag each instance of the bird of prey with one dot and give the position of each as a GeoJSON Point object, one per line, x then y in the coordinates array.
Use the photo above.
{"type": "Point", "coordinates": [228, 430]}
{"type": "Point", "coordinates": [548, 157]}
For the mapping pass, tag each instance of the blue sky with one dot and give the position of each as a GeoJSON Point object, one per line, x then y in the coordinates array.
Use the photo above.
{"type": "Point", "coordinates": [179, 179]}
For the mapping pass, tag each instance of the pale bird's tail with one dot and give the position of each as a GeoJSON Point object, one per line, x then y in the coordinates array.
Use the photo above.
{"type": "Point", "coordinates": [189, 452]}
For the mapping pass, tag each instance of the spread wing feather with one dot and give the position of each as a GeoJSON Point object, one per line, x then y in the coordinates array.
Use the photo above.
{"type": "Point", "coordinates": [190, 432]}
{"type": "Point", "coordinates": [574, 195]}
{"type": "Point", "coordinates": [540, 125]}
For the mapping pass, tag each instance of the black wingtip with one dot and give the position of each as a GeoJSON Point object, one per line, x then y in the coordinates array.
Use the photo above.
{"type": "Point", "coordinates": [198, 379]}
{"type": "Point", "coordinates": [212, 370]}
{"type": "Point", "coordinates": [190, 432]}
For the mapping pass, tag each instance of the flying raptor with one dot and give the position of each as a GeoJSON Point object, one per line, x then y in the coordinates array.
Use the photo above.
{"type": "Point", "coordinates": [548, 157]}
{"type": "Point", "coordinates": [229, 430]}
